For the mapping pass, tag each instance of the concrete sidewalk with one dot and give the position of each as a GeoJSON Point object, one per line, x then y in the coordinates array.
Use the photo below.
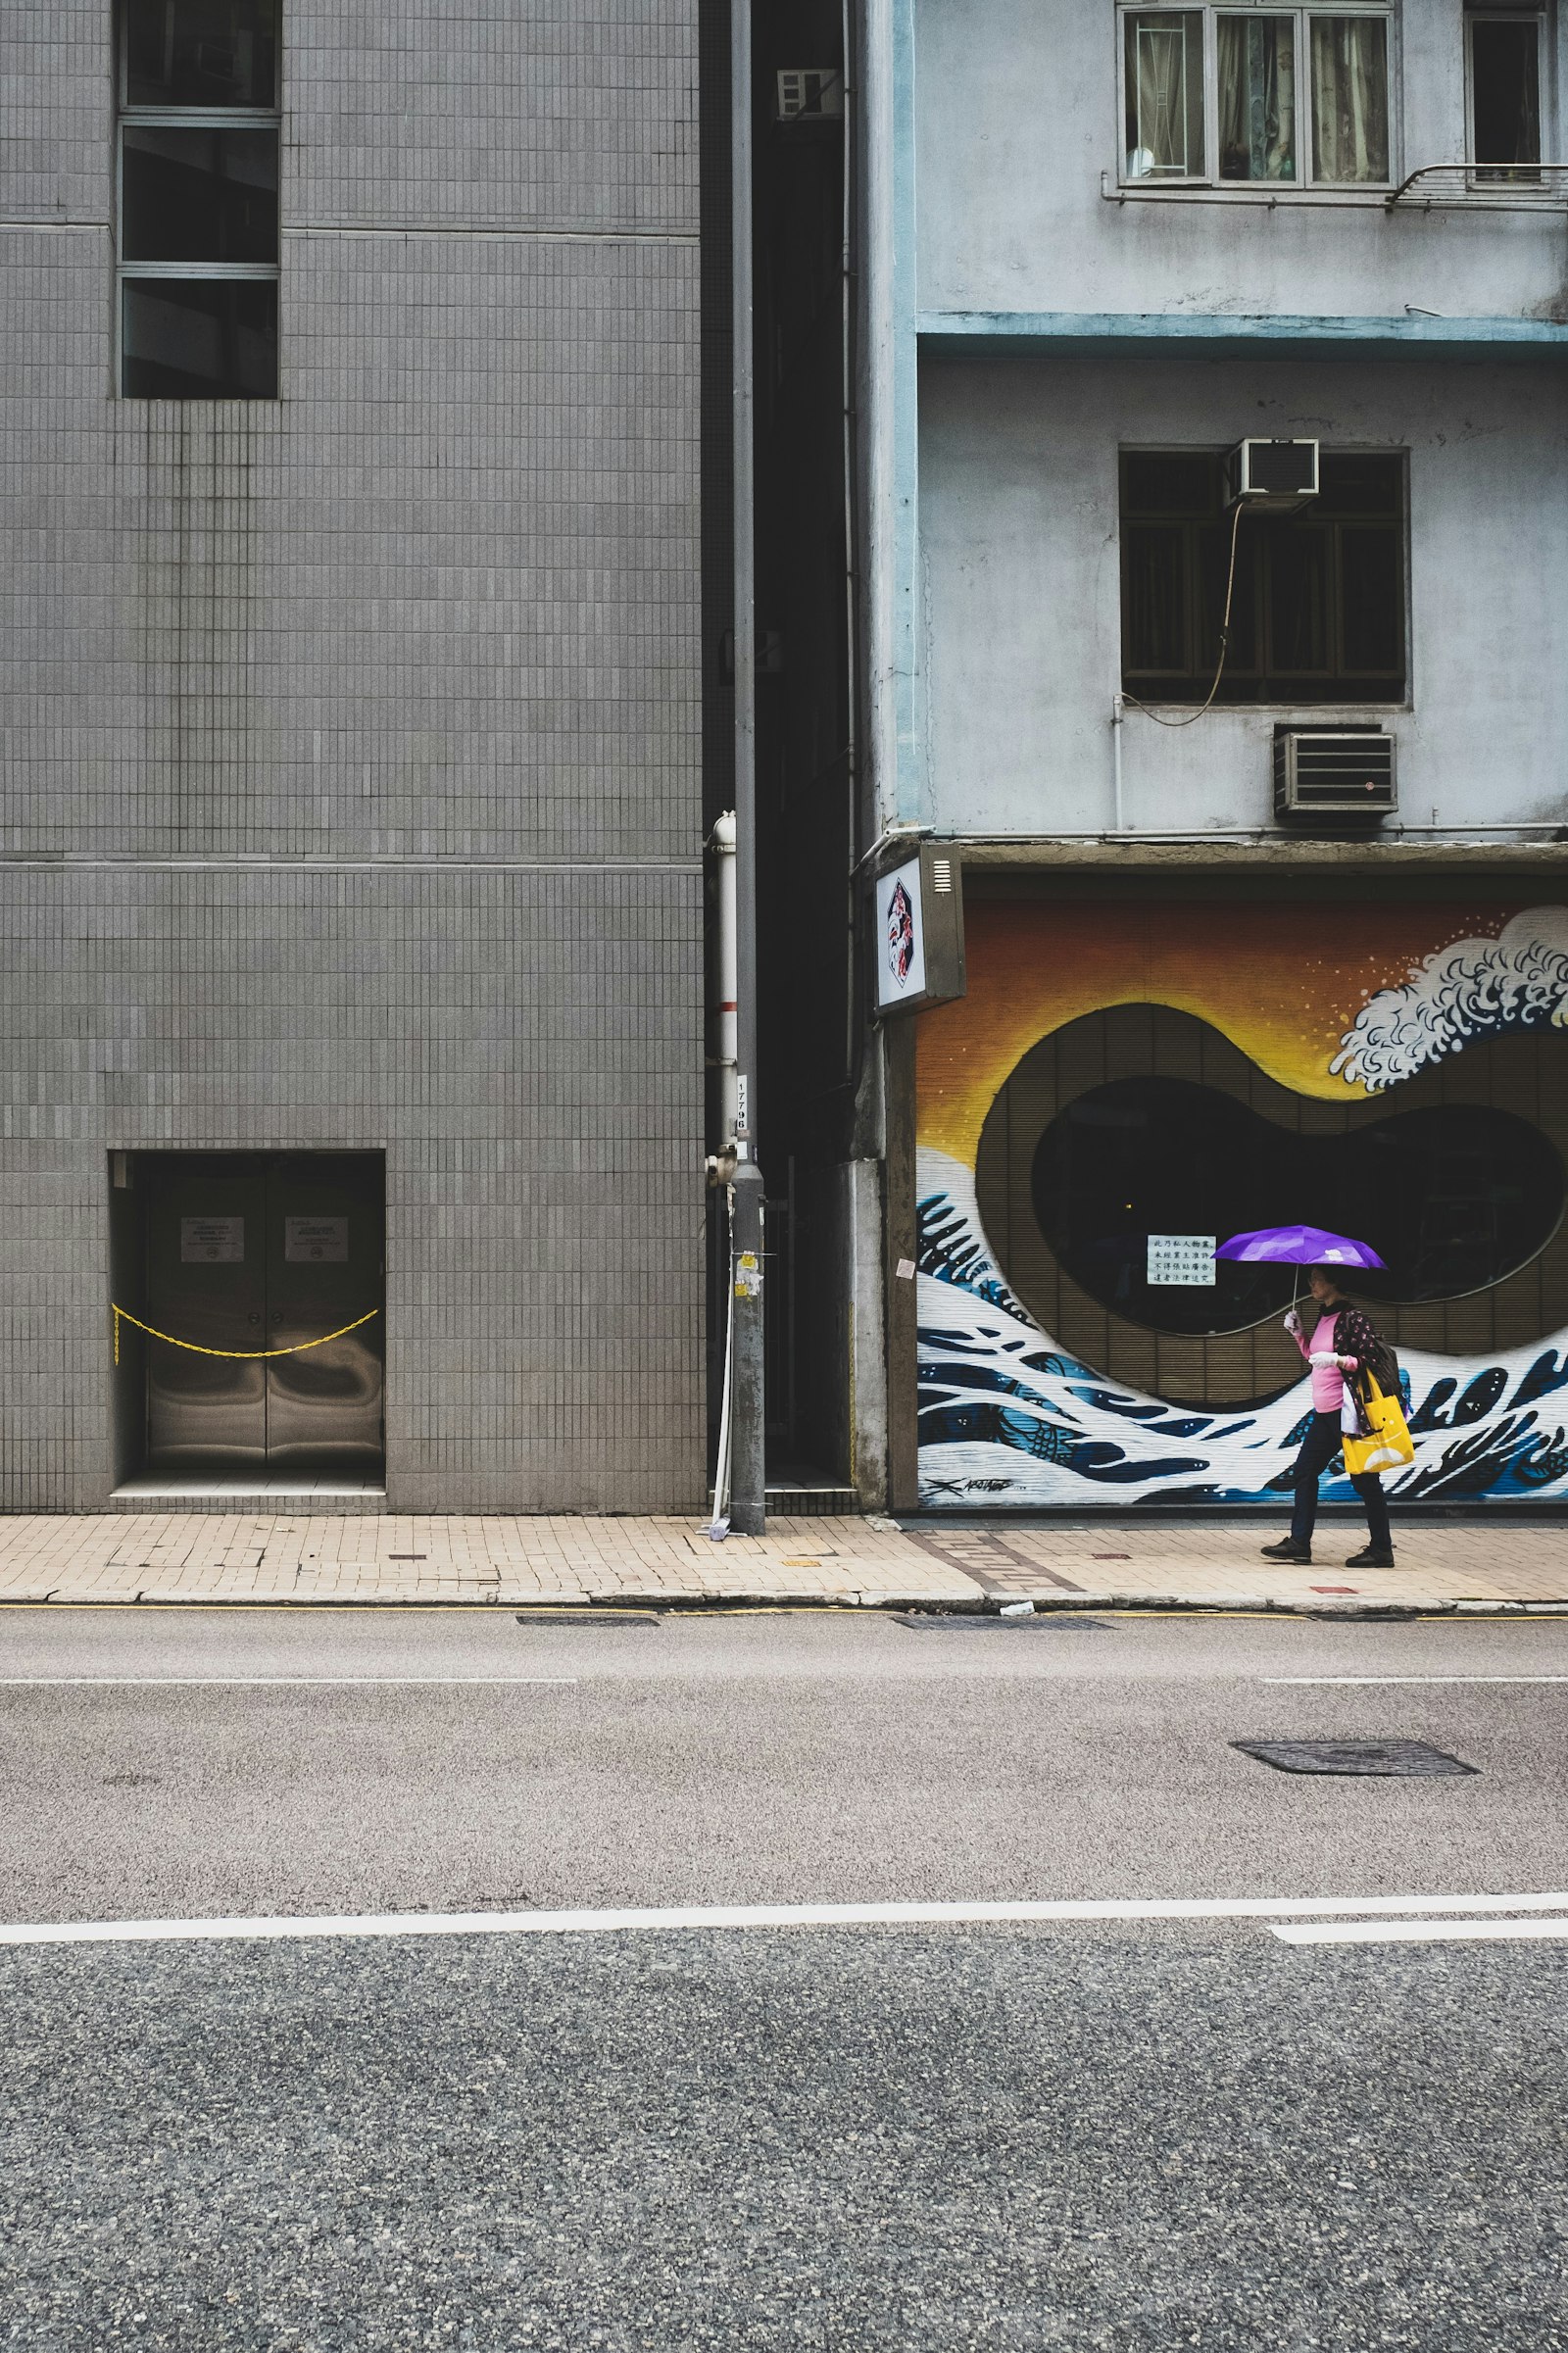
{"type": "Point", "coordinates": [245, 1556]}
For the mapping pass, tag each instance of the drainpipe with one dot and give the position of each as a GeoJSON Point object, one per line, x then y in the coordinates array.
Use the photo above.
{"type": "Point", "coordinates": [1118, 711]}
{"type": "Point", "coordinates": [748, 1512]}
{"type": "Point", "coordinates": [721, 841]}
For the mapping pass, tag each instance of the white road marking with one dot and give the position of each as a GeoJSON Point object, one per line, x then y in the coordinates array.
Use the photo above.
{"type": "Point", "coordinates": [249, 1683]}
{"type": "Point", "coordinates": [756, 1914]}
{"type": "Point", "coordinates": [1323, 1681]}
{"type": "Point", "coordinates": [1415, 1932]}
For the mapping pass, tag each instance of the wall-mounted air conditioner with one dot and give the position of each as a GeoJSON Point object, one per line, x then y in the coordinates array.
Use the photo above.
{"type": "Point", "coordinates": [1323, 773]}
{"type": "Point", "coordinates": [1274, 476]}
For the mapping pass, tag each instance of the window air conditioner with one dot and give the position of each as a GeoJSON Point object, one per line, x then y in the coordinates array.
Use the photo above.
{"type": "Point", "coordinates": [1319, 773]}
{"type": "Point", "coordinates": [1274, 476]}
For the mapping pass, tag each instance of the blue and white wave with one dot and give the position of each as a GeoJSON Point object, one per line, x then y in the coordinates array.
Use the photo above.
{"type": "Point", "coordinates": [1008, 1417]}
{"type": "Point", "coordinates": [1474, 988]}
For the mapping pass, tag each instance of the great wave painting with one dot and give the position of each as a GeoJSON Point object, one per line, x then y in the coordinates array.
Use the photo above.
{"type": "Point", "coordinates": [1344, 1003]}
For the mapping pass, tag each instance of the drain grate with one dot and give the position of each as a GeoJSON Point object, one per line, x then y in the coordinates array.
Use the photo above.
{"type": "Point", "coordinates": [933, 1621]}
{"type": "Point", "coordinates": [590, 1617]}
{"type": "Point", "coordinates": [1413, 1759]}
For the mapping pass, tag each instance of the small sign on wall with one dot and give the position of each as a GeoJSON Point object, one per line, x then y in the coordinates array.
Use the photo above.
{"type": "Point", "coordinates": [1186, 1259]}
{"type": "Point", "coordinates": [211, 1241]}
{"type": "Point", "coordinates": [917, 931]}
{"type": "Point", "coordinates": [899, 935]}
{"type": "Point", "coordinates": [310, 1239]}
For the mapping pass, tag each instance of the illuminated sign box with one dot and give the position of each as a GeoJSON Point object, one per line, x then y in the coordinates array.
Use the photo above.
{"type": "Point", "coordinates": [917, 931]}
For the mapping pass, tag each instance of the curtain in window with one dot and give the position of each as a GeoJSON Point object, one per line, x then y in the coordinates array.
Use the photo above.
{"type": "Point", "coordinates": [1164, 95]}
{"type": "Point", "coordinates": [1256, 97]}
{"type": "Point", "coordinates": [1349, 98]}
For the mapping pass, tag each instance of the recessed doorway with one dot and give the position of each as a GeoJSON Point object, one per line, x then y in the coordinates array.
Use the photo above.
{"type": "Point", "coordinates": [255, 1262]}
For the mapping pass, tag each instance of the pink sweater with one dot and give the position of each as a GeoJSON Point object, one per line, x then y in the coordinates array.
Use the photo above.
{"type": "Point", "coordinates": [1327, 1382]}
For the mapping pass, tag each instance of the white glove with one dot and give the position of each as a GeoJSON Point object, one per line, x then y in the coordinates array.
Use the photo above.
{"type": "Point", "coordinates": [1323, 1357]}
{"type": "Point", "coordinates": [1292, 1325]}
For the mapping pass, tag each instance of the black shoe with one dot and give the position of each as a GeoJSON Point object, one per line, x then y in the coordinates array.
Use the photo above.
{"type": "Point", "coordinates": [1289, 1549]}
{"type": "Point", "coordinates": [1372, 1557]}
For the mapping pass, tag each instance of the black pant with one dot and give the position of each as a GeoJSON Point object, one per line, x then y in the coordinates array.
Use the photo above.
{"type": "Point", "coordinates": [1318, 1449]}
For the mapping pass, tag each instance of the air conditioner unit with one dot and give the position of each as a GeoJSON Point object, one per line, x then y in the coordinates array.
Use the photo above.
{"type": "Point", "coordinates": [809, 94]}
{"type": "Point", "coordinates": [1274, 476]}
{"type": "Point", "coordinates": [1321, 772]}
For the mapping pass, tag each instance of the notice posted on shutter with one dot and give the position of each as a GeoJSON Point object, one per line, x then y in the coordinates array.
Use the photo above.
{"type": "Point", "coordinates": [1181, 1261]}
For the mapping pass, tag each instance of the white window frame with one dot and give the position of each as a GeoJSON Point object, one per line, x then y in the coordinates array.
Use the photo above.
{"type": "Point", "coordinates": [162, 115]}
{"type": "Point", "coordinates": [1277, 191]}
{"type": "Point", "coordinates": [1505, 15]}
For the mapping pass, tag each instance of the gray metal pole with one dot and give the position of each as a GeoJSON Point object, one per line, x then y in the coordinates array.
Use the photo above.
{"type": "Point", "coordinates": [748, 1514]}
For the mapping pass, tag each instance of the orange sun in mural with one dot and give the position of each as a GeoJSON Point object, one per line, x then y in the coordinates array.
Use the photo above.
{"type": "Point", "coordinates": [1285, 980]}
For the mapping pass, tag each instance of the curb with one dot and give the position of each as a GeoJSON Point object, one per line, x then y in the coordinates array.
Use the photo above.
{"type": "Point", "coordinates": [1048, 1604]}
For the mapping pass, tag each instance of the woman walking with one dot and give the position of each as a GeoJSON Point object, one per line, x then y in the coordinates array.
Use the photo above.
{"type": "Point", "coordinates": [1343, 1351]}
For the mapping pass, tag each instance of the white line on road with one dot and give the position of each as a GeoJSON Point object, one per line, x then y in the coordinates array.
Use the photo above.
{"type": "Point", "coordinates": [1325, 1680]}
{"type": "Point", "coordinates": [249, 1683]}
{"type": "Point", "coordinates": [756, 1914]}
{"type": "Point", "coordinates": [1415, 1932]}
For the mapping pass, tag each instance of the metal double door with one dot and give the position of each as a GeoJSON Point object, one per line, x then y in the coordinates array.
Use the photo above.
{"type": "Point", "coordinates": [246, 1253]}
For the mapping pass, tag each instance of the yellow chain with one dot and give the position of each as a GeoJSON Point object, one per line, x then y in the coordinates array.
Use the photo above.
{"type": "Point", "coordinates": [248, 1355]}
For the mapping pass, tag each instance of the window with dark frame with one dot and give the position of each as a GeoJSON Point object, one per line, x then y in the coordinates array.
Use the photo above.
{"type": "Point", "coordinates": [1318, 611]}
{"type": "Point", "coordinates": [199, 134]}
{"type": "Point", "coordinates": [1504, 64]}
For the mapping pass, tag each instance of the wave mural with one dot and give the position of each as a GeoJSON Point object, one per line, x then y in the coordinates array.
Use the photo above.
{"type": "Point", "coordinates": [1007, 1417]}
{"type": "Point", "coordinates": [1474, 989]}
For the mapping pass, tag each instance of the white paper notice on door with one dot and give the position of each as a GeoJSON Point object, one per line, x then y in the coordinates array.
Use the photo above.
{"type": "Point", "coordinates": [315, 1238]}
{"type": "Point", "coordinates": [216, 1240]}
{"type": "Point", "coordinates": [1185, 1260]}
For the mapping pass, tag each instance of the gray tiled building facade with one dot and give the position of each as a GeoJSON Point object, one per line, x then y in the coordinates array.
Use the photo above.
{"type": "Point", "coordinates": [351, 788]}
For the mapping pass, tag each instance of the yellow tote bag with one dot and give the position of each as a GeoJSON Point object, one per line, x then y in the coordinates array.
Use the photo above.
{"type": "Point", "coordinates": [1391, 1442]}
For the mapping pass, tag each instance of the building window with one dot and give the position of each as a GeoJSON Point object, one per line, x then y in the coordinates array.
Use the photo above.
{"type": "Point", "coordinates": [1318, 611]}
{"type": "Point", "coordinates": [1505, 87]}
{"type": "Point", "coordinates": [198, 257]}
{"type": "Point", "coordinates": [1298, 98]}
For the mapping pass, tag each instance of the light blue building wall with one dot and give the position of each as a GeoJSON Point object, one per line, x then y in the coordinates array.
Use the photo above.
{"type": "Point", "coordinates": [1031, 313]}
{"type": "Point", "coordinates": [1019, 140]}
{"type": "Point", "coordinates": [1037, 314]}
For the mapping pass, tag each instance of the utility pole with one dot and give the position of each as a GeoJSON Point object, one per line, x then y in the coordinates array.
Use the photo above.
{"type": "Point", "coordinates": [748, 1512]}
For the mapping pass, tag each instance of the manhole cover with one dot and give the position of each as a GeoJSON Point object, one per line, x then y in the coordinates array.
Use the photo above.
{"type": "Point", "coordinates": [932, 1621]}
{"type": "Point", "coordinates": [1416, 1759]}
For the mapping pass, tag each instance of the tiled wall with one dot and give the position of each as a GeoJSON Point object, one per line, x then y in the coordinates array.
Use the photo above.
{"type": "Point", "coordinates": [349, 782]}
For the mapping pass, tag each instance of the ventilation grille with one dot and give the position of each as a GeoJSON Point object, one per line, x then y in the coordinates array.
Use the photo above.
{"type": "Point", "coordinates": [1319, 775]}
{"type": "Point", "coordinates": [809, 94]}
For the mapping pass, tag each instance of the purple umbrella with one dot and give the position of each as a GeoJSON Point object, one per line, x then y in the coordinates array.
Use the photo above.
{"type": "Point", "coordinates": [1298, 1245]}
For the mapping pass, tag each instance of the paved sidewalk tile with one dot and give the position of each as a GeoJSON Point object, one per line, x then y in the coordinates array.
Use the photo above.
{"type": "Point", "coordinates": [255, 1556]}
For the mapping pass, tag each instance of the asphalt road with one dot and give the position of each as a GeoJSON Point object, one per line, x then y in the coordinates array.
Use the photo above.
{"type": "Point", "coordinates": [1074, 2134]}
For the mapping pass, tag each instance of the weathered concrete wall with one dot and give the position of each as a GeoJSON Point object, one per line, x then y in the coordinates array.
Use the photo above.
{"type": "Point", "coordinates": [350, 787]}
{"type": "Point", "coordinates": [1019, 117]}
{"type": "Point", "coordinates": [1021, 579]}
